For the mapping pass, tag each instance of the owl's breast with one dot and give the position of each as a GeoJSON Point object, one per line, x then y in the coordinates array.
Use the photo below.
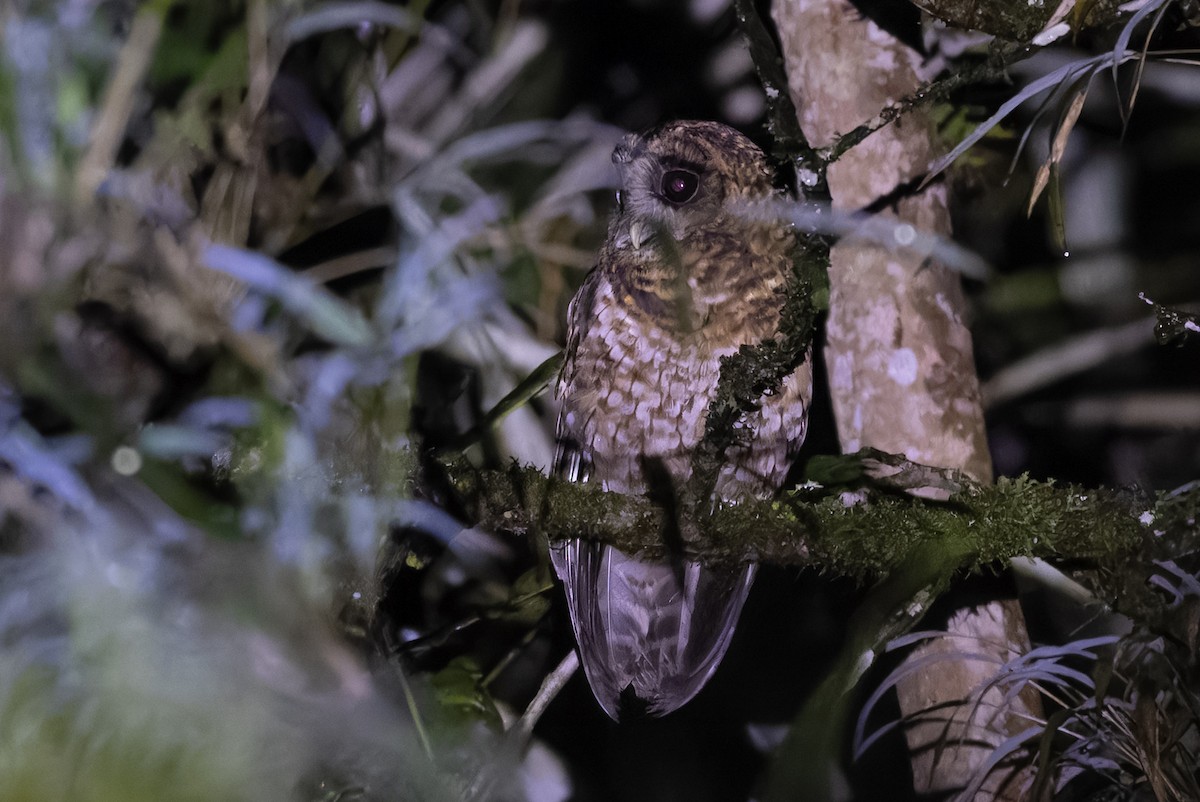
{"type": "Point", "coordinates": [638, 390]}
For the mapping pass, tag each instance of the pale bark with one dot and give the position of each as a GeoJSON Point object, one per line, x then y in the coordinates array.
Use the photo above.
{"type": "Point", "coordinates": [901, 370]}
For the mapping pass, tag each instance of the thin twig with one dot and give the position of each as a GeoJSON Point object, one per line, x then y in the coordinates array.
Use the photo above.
{"type": "Point", "coordinates": [350, 264]}
{"type": "Point", "coordinates": [415, 712]}
{"type": "Point", "coordinates": [554, 682]}
{"type": "Point", "coordinates": [117, 106]}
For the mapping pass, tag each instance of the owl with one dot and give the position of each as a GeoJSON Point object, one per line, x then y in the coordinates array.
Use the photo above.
{"type": "Point", "coordinates": [682, 281]}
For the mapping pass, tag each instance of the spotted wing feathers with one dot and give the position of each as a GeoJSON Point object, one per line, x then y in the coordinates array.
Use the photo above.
{"type": "Point", "coordinates": [653, 631]}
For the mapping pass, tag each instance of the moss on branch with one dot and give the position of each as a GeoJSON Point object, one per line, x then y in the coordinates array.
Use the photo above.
{"type": "Point", "coordinates": [814, 527]}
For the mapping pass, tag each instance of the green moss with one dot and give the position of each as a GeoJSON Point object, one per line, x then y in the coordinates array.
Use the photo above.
{"type": "Point", "coordinates": [814, 527]}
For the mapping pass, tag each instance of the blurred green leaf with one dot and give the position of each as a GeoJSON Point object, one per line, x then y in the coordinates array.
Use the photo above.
{"type": "Point", "coordinates": [457, 687]}
{"type": "Point", "coordinates": [203, 43]}
{"type": "Point", "coordinates": [168, 482]}
{"type": "Point", "coordinates": [528, 602]}
{"type": "Point", "coordinates": [834, 469]}
{"type": "Point", "coordinates": [522, 281]}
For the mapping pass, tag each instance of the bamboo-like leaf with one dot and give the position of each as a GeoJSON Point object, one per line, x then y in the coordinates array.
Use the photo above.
{"type": "Point", "coordinates": [1043, 778]}
{"type": "Point", "coordinates": [1088, 67]}
{"type": "Point", "coordinates": [1058, 145]}
{"type": "Point", "coordinates": [530, 387]}
{"type": "Point", "coordinates": [1121, 47]}
{"type": "Point", "coordinates": [863, 742]}
{"type": "Point", "coordinates": [1139, 68]}
{"type": "Point", "coordinates": [1055, 28]}
{"type": "Point", "coordinates": [998, 755]}
{"type": "Point", "coordinates": [1058, 218]}
{"type": "Point", "coordinates": [327, 315]}
{"type": "Point", "coordinates": [332, 16]}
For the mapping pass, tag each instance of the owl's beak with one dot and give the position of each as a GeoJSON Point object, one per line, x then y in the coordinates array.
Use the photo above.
{"type": "Point", "coordinates": [639, 234]}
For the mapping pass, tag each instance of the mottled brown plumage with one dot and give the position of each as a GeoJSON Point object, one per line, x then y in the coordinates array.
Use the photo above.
{"type": "Point", "coordinates": [682, 281]}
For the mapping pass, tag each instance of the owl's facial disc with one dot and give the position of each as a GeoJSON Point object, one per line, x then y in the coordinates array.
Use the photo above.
{"type": "Point", "coordinates": [662, 191]}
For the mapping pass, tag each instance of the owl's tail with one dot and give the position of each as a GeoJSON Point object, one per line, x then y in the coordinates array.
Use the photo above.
{"type": "Point", "coordinates": [653, 630]}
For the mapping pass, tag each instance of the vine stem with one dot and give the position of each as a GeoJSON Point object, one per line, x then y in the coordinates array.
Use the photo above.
{"type": "Point", "coordinates": [554, 682]}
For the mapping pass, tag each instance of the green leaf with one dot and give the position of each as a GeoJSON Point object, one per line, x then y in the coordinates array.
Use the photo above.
{"type": "Point", "coordinates": [527, 602]}
{"type": "Point", "coordinates": [834, 469]}
{"type": "Point", "coordinates": [522, 281]}
{"type": "Point", "coordinates": [457, 688]}
{"type": "Point", "coordinates": [170, 484]}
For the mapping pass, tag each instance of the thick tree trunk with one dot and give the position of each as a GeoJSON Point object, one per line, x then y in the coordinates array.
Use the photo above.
{"type": "Point", "coordinates": [901, 370]}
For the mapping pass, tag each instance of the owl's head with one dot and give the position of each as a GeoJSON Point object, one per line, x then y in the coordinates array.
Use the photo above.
{"type": "Point", "coordinates": [680, 177]}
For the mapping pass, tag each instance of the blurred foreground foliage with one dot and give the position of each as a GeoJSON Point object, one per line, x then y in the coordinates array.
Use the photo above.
{"type": "Point", "coordinates": [261, 261]}
{"type": "Point", "coordinates": [205, 451]}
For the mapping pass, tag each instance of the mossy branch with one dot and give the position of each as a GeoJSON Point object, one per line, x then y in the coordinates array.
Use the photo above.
{"type": "Point", "coordinates": [1173, 325]}
{"type": "Point", "coordinates": [814, 526]}
{"type": "Point", "coordinates": [790, 142]}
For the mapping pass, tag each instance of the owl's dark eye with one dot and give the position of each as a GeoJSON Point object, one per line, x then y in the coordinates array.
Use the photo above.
{"type": "Point", "coordinates": [679, 186]}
